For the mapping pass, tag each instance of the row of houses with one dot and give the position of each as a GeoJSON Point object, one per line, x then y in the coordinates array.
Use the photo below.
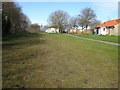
{"type": "Point", "coordinates": [107, 28]}
{"type": "Point", "coordinates": [88, 31]}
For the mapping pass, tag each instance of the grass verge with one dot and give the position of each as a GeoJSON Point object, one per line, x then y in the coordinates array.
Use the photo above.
{"type": "Point", "coordinates": [107, 38]}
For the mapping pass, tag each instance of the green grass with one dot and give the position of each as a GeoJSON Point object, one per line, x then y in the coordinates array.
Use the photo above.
{"type": "Point", "coordinates": [42, 60]}
{"type": "Point", "coordinates": [113, 39]}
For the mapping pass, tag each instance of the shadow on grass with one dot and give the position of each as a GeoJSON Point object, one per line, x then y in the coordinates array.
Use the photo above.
{"type": "Point", "coordinates": [23, 39]}
{"type": "Point", "coordinates": [25, 42]}
{"type": "Point", "coordinates": [19, 54]}
{"type": "Point", "coordinates": [17, 36]}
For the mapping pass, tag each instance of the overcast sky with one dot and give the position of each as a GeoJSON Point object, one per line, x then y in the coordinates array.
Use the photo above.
{"type": "Point", "coordinates": [38, 12]}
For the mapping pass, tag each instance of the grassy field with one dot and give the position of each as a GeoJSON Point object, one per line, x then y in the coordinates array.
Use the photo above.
{"type": "Point", "coordinates": [41, 60]}
{"type": "Point", "coordinates": [100, 37]}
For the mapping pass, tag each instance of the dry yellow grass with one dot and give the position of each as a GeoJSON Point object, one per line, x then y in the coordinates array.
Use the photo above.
{"type": "Point", "coordinates": [58, 61]}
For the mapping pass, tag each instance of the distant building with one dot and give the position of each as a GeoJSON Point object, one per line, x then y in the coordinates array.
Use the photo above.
{"type": "Point", "coordinates": [52, 29]}
{"type": "Point", "coordinates": [85, 31]}
{"type": "Point", "coordinates": [108, 28]}
{"type": "Point", "coordinates": [79, 30]}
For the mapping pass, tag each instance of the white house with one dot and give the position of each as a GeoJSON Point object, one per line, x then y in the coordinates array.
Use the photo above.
{"type": "Point", "coordinates": [108, 28]}
{"type": "Point", "coordinates": [52, 29]}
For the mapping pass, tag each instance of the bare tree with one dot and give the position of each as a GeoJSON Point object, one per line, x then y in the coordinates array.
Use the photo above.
{"type": "Point", "coordinates": [81, 23]}
{"type": "Point", "coordinates": [60, 19]}
{"type": "Point", "coordinates": [6, 17]}
{"type": "Point", "coordinates": [73, 22]}
{"type": "Point", "coordinates": [13, 20]}
{"type": "Point", "coordinates": [94, 23]}
{"type": "Point", "coordinates": [34, 28]}
{"type": "Point", "coordinates": [86, 16]}
{"type": "Point", "coordinates": [25, 22]}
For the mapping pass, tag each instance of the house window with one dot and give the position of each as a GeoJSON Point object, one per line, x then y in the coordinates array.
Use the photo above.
{"type": "Point", "coordinates": [103, 29]}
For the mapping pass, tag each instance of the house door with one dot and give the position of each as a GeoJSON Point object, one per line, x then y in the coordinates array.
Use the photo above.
{"type": "Point", "coordinates": [97, 32]}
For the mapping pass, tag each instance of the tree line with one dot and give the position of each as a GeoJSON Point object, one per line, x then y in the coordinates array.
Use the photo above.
{"type": "Point", "coordinates": [15, 21]}
{"type": "Point", "coordinates": [61, 19]}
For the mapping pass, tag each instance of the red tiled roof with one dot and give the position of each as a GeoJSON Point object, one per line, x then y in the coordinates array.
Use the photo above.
{"type": "Point", "coordinates": [109, 23]}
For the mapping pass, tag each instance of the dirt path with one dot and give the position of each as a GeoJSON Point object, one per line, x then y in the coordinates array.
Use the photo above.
{"type": "Point", "coordinates": [95, 40]}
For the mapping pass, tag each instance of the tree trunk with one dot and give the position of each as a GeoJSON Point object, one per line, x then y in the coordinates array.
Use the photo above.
{"type": "Point", "coordinates": [82, 29]}
{"type": "Point", "coordinates": [86, 27]}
